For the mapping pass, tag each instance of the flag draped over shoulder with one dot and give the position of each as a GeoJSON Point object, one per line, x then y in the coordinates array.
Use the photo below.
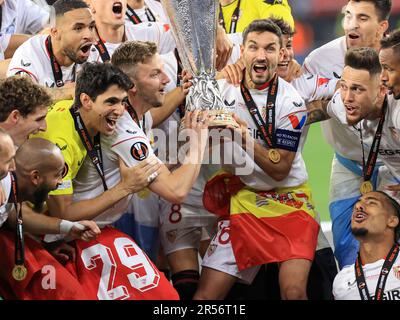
{"type": "Point", "coordinates": [265, 227]}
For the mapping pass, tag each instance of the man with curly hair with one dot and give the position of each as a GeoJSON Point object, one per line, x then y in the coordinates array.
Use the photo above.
{"type": "Point", "coordinates": [23, 107]}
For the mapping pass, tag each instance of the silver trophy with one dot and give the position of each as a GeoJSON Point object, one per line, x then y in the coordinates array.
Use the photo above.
{"type": "Point", "coordinates": [194, 25]}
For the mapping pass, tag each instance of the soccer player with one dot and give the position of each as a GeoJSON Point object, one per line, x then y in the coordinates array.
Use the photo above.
{"type": "Point", "coordinates": [375, 275]}
{"type": "Point", "coordinates": [87, 189]}
{"type": "Point", "coordinates": [274, 191]}
{"type": "Point", "coordinates": [39, 167]}
{"type": "Point", "coordinates": [53, 60]}
{"type": "Point", "coordinates": [365, 22]}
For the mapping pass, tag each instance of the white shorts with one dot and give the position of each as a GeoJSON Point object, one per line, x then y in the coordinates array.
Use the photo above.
{"type": "Point", "coordinates": [184, 226]}
{"type": "Point", "coordinates": [219, 255]}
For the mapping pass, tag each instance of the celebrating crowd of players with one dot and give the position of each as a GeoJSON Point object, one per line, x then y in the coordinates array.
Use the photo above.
{"type": "Point", "coordinates": [111, 190]}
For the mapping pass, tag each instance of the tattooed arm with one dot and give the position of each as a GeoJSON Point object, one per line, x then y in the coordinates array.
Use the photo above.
{"type": "Point", "coordinates": [317, 111]}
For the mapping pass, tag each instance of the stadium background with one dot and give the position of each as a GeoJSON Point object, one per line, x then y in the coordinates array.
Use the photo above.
{"type": "Point", "coordinates": [318, 22]}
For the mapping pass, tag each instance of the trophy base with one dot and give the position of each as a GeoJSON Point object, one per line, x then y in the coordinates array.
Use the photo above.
{"type": "Point", "coordinates": [222, 119]}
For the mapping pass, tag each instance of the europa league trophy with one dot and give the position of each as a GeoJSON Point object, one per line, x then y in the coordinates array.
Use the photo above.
{"type": "Point", "coordinates": [194, 25]}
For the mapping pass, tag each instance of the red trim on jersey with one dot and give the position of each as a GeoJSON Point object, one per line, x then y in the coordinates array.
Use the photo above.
{"type": "Point", "coordinates": [292, 113]}
{"type": "Point", "coordinates": [115, 144]}
{"type": "Point", "coordinates": [26, 71]}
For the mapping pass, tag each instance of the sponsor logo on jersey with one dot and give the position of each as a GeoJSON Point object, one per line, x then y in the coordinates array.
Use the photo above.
{"type": "Point", "coordinates": [131, 132]}
{"type": "Point", "coordinates": [297, 123]}
{"type": "Point", "coordinates": [272, 2]}
{"type": "Point", "coordinates": [62, 148]}
{"type": "Point", "coordinates": [166, 27]}
{"type": "Point", "coordinates": [390, 295]}
{"type": "Point", "coordinates": [310, 77]}
{"type": "Point", "coordinates": [229, 104]}
{"type": "Point", "coordinates": [298, 105]}
{"type": "Point", "coordinates": [322, 81]}
{"type": "Point", "coordinates": [388, 152]}
{"type": "Point", "coordinates": [336, 75]}
{"type": "Point", "coordinates": [25, 64]}
{"type": "Point", "coordinates": [139, 151]}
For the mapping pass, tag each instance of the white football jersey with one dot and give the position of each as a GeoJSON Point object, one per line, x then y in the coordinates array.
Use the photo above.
{"type": "Point", "coordinates": [313, 87]}
{"type": "Point", "coordinates": [150, 31]}
{"type": "Point", "coordinates": [128, 142]}
{"type": "Point", "coordinates": [346, 139]}
{"type": "Point", "coordinates": [327, 61]}
{"type": "Point", "coordinates": [33, 59]}
{"type": "Point", "coordinates": [290, 118]}
{"type": "Point", "coordinates": [156, 9]}
{"type": "Point", "coordinates": [345, 284]}
{"type": "Point", "coordinates": [389, 149]}
{"type": "Point", "coordinates": [4, 209]}
{"type": "Point", "coordinates": [21, 17]}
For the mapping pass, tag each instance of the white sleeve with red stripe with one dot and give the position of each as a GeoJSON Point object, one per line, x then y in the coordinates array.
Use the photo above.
{"type": "Point", "coordinates": [313, 87]}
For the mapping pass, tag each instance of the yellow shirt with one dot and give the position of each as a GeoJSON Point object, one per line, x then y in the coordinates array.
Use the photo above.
{"type": "Point", "coordinates": [251, 10]}
{"type": "Point", "coordinates": [61, 131]}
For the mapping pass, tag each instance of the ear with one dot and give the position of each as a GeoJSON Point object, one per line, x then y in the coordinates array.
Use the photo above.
{"type": "Point", "coordinates": [393, 221]}
{"type": "Point", "coordinates": [241, 50]}
{"type": "Point", "coordinates": [54, 33]}
{"type": "Point", "coordinates": [86, 101]}
{"type": "Point", "coordinates": [133, 90]}
{"type": "Point", "coordinates": [35, 177]}
{"type": "Point", "coordinates": [14, 117]}
{"type": "Point", "coordinates": [383, 27]}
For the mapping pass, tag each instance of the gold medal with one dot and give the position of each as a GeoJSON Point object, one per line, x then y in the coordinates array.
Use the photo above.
{"type": "Point", "coordinates": [19, 272]}
{"type": "Point", "coordinates": [274, 155]}
{"type": "Point", "coordinates": [366, 187]}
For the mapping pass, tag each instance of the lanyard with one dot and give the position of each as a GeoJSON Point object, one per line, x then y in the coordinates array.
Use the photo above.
{"type": "Point", "coordinates": [181, 107]}
{"type": "Point", "coordinates": [267, 128]}
{"type": "Point", "coordinates": [368, 168]}
{"type": "Point", "coordinates": [134, 116]}
{"type": "Point", "coordinates": [55, 66]}
{"type": "Point", "coordinates": [234, 18]}
{"type": "Point", "coordinates": [93, 149]}
{"type": "Point", "coordinates": [101, 48]}
{"type": "Point", "coordinates": [360, 277]}
{"type": "Point", "coordinates": [135, 18]}
{"type": "Point", "coordinates": [19, 239]}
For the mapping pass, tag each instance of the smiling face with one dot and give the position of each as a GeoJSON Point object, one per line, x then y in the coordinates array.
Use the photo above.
{"type": "Point", "coordinates": [105, 110]}
{"type": "Point", "coordinates": [150, 81]}
{"type": "Point", "coordinates": [286, 57]}
{"type": "Point", "coordinates": [359, 91]}
{"type": "Point", "coordinates": [261, 53]}
{"type": "Point", "coordinates": [362, 26]}
{"type": "Point", "coordinates": [75, 34]}
{"type": "Point", "coordinates": [373, 215]}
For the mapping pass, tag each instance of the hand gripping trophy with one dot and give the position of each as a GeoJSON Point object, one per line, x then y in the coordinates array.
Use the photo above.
{"type": "Point", "coordinates": [194, 25]}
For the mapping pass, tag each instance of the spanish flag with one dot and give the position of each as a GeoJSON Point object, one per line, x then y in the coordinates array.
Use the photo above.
{"type": "Point", "coordinates": [265, 227]}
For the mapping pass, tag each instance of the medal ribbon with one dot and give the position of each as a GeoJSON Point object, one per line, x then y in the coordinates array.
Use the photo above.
{"type": "Point", "coordinates": [234, 18]}
{"type": "Point", "coordinates": [181, 107]}
{"type": "Point", "coordinates": [267, 128]}
{"type": "Point", "coordinates": [368, 168]}
{"type": "Point", "coordinates": [55, 66]}
{"type": "Point", "coordinates": [360, 277]}
{"type": "Point", "coordinates": [102, 49]}
{"type": "Point", "coordinates": [135, 18]}
{"type": "Point", "coordinates": [93, 149]}
{"type": "Point", "coordinates": [19, 239]}
{"type": "Point", "coordinates": [134, 116]}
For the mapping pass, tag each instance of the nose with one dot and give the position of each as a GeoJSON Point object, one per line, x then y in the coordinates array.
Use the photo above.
{"type": "Point", "coordinates": [351, 22]}
{"type": "Point", "coordinates": [165, 78]}
{"type": "Point", "coordinates": [348, 95]}
{"type": "Point", "coordinates": [285, 54]}
{"type": "Point", "coordinates": [261, 54]}
{"type": "Point", "coordinates": [89, 34]}
{"type": "Point", "coordinates": [359, 206]}
{"type": "Point", "coordinates": [384, 76]}
{"type": "Point", "coordinates": [43, 126]}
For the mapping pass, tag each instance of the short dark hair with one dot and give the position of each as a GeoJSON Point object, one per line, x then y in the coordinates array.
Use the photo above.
{"type": "Point", "coordinates": [22, 94]}
{"type": "Point", "coordinates": [130, 53]}
{"type": "Point", "coordinates": [363, 59]}
{"type": "Point", "coordinates": [263, 25]}
{"type": "Point", "coordinates": [283, 25]}
{"type": "Point", "coordinates": [396, 208]}
{"type": "Point", "coordinates": [392, 41]}
{"type": "Point", "coordinates": [95, 78]}
{"type": "Point", "coordinates": [383, 7]}
{"type": "Point", "coordinates": [63, 6]}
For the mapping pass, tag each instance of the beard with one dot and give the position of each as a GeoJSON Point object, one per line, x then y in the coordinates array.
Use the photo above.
{"type": "Point", "coordinates": [39, 197]}
{"type": "Point", "coordinates": [359, 232]}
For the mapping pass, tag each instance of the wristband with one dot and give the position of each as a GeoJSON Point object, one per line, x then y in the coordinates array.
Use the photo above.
{"type": "Point", "coordinates": [66, 226]}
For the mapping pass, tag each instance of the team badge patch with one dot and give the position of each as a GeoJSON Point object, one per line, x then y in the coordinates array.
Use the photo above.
{"type": "Point", "coordinates": [396, 270]}
{"type": "Point", "coordinates": [297, 123]}
{"type": "Point", "coordinates": [139, 151]}
{"type": "Point", "coordinates": [171, 235]}
{"type": "Point", "coordinates": [211, 249]}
